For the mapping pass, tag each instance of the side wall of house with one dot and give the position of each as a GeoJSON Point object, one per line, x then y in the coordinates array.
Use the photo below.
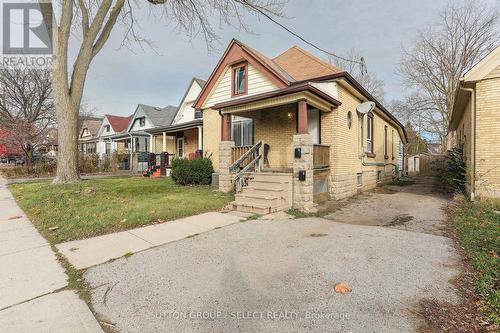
{"type": "Point", "coordinates": [348, 145]}
{"type": "Point", "coordinates": [487, 137]}
{"type": "Point", "coordinates": [212, 135]}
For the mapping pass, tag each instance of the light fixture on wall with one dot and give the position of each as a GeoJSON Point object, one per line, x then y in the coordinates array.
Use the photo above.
{"type": "Point", "coordinates": [290, 115]}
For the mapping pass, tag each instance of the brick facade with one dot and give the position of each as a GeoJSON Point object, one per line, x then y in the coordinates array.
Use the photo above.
{"type": "Point", "coordinates": [487, 137]}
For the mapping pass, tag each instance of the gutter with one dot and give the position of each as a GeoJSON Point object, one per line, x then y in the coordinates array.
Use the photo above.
{"type": "Point", "coordinates": [473, 140]}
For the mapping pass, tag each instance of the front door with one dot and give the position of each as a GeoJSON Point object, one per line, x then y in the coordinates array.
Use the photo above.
{"type": "Point", "coordinates": [180, 147]}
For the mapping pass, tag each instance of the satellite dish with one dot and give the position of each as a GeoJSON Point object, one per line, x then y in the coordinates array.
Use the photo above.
{"type": "Point", "coordinates": [365, 107]}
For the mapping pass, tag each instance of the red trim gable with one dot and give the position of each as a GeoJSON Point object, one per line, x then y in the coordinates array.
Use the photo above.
{"type": "Point", "coordinates": [236, 53]}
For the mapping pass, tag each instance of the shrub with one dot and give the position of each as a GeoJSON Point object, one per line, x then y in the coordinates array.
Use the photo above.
{"type": "Point", "coordinates": [89, 163]}
{"type": "Point", "coordinates": [39, 169]}
{"type": "Point", "coordinates": [452, 171]}
{"type": "Point", "coordinates": [196, 171]}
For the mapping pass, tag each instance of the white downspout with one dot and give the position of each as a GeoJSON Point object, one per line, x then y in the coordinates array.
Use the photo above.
{"type": "Point", "coordinates": [473, 141]}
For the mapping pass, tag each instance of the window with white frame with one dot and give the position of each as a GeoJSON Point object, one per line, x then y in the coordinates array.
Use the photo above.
{"type": "Point", "coordinates": [239, 85]}
{"type": "Point", "coordinates": [369, 134]}
{"type": "Point", "coordinates": [385, 142]}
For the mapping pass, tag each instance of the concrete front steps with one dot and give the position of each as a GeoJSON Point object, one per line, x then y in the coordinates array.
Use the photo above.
{"type": "Point", "coordinates": [266, 192]}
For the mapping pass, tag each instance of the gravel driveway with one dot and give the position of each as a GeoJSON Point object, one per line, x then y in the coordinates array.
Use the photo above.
{"type": "Point", "coordinates": [279, 276]}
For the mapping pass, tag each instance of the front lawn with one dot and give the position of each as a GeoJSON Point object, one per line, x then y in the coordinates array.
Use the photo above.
{"type": "Point", "coordinates": [477, 225]}
{"type": "Point", "coordinates": [100, 206]}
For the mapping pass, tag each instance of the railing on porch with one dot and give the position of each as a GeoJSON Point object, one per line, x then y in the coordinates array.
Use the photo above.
{"type": "Point", "coordinates": [321, 156]}
{"type": "Point", "coordinates": [237, 152]}
{"type": "Point", "coordinates": [250, 159]}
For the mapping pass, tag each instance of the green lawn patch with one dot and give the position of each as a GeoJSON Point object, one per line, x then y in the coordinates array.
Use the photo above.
{"type": "Point", "coordinates": [99, 206]}
{"type": "Point", "coordinates": [477, 225]}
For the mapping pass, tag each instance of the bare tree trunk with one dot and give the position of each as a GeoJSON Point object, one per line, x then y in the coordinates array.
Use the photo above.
{"type": "Point", "coordinates": [67, 156]}
{"type": "Point", "coordinates": [66, 107]}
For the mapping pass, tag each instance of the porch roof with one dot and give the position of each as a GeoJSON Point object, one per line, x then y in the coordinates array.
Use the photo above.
{"type": "Point", "coordinates": [175, 128]}
{"type": "Point", "coordinates": [314, 96]}
{"type": "Point", "coordinates": [128, 135]}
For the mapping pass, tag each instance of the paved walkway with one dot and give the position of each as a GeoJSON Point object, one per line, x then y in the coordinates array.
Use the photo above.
{"type": "Point", "coordinates": [32, 283]}
{"type": "Point", "coordinates": [97, 250]}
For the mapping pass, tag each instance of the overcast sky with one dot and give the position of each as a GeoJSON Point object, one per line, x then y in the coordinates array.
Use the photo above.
{"type": "Point", "coordinates": [119, 79]}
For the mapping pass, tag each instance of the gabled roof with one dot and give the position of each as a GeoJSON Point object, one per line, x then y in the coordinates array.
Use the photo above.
{"type": "Point", "coordinates": [118, 123]}
{"type": "Point", "coordinates": [92, 125]}
{"type": "Point", "coordinates": [302, 65]}
{"type": "Point", "coordinates": [488, 67]}
{"type": "Point", "coordinates": [200, 82]}
{"type": "Point", "coordinates": [483, 67]}
{"type": "Point", "coordinates": [157, 116]}
{"type": "Point", "coordinates": [294, 67]}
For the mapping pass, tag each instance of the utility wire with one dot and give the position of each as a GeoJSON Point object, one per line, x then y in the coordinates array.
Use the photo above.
{"type": "Point", "coordinates": [360, 62]}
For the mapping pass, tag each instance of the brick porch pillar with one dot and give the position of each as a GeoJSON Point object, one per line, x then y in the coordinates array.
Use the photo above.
{"type": "Point", "coordinates": [225, 177]}
{"type": "Point", "coordinates": [303, 191]}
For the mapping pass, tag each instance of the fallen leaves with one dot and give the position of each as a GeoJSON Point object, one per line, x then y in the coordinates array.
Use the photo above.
{"type": "Point", "coordinates": [54, 228]}
{"type": "Point", "coordinates": [342, 288]}
{"type": "Point", "coordinates": [14, 217]}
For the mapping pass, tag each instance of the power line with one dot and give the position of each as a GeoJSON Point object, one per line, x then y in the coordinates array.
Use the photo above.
{"type": "Point", "coordinates": [360, 62]}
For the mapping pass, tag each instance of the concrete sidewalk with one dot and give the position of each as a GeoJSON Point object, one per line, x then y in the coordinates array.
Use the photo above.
{"type": "Point", "coordinates": [32, 298]}
{"type": "Point", "coordinates": [97, 250]}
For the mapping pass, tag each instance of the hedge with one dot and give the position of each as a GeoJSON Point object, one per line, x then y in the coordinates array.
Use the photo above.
{"type": "Point", "coordinates": [197, 171]}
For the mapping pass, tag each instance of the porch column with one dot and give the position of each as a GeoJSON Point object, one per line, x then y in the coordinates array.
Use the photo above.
{"type": "Point", "coordinates": [302, 117]}
{"type": "Point", "coordinates": [164, 149]}
{"type": "Point", "coordinates": [200, 138]}
{"type": "Point", "coordinates": [151, 139]}
{"type": "Point", "coordinates": [225, 177]}
{"type": "Point", "coordinates": [226, 127]}
{"type": "Point", "coordinates": [303, 173]}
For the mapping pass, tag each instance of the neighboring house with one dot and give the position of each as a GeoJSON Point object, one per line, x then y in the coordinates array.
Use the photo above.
{"type": "Point", "coordinates": [89, 135]}
{"type": "Point", "coordinates": [475, 125]}
{"type": "Point", "coordinates": [183, 136]}
{"type": "Point", "coordinates": [296, 117]}
{"type": "Point", "coordinates": [8, 148]}
{"type": "Point", "coordinates": [49, 146]}
{"type": "Point", "coordinates": [135, 138]}
{"type": "Point", "coordinates": [110, 126]}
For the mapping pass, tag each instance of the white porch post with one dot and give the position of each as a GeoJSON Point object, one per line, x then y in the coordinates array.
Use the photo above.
{"type": "Point", "coordinates": [164, 142]}
{"type": "Point", "coordinates": [200, 138]}
{"type": "Point", "coordinates": [151, 138]}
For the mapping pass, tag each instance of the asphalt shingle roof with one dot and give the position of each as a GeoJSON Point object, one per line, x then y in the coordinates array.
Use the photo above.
{"type": "Point", "coordinates": [160, 116]}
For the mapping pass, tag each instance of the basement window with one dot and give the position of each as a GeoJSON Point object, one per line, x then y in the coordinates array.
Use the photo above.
{"type": "Point", "coordinates": [359, 178]}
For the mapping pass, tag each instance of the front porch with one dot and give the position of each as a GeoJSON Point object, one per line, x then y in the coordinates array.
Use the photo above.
{"type": "Point", "coordinates": [289, 150]}
{"type": "Point", "coordinates": [183, 140]}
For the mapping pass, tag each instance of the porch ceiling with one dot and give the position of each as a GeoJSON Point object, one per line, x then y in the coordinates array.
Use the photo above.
{"type": "Point", "coordinates": [312, 95]}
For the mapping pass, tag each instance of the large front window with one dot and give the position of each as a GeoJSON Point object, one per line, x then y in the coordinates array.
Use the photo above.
{"type": "Point", "coordinates": [239, 86]}
{"type": "Point", "coordinates": [242, 131]}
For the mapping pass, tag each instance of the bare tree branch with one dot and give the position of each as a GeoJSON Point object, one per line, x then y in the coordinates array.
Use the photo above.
{"type": "Point", "coordinates": [432, 66]}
